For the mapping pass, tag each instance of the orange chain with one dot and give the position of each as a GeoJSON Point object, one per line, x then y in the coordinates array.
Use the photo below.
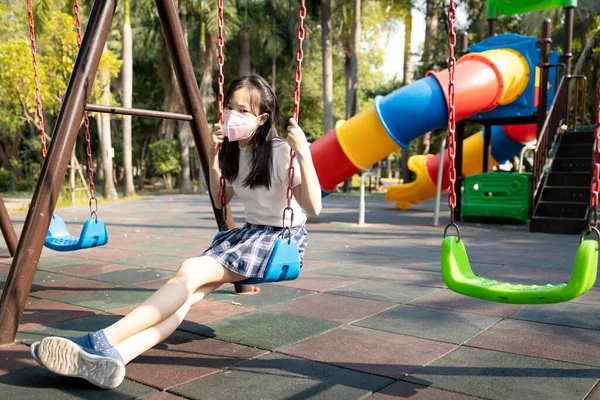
{"type": "Point", "coordinates": [36, 78]}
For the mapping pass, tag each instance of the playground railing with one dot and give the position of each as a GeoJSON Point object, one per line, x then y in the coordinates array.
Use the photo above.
{"type": "Point", "coordinates": [561, 117]}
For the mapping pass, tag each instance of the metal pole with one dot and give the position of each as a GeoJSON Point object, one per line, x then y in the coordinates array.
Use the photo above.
{"type": "Point", "coordinates": [487, 138]}
{"type": "Point", "coordinates": [545, 43]}
{"type": "Point", "coordinates": [463, 48]}
{"type": "Point", "coordinates": [47, 191]}
{"type": "Point", "coordinates": [190, 93]}
{"type": "Point", "coordinates": [361, 209]}
{"type": "Point", "coordinates": [138, 112]}
{"type": "Point", "coordinates": [8, 230]}
{"type": "Point", "coordinates": [438, 191]}
{"type": "Point", "coordinates": [568, 41]}
{"type": "Point", "coordinates": [491, 27]}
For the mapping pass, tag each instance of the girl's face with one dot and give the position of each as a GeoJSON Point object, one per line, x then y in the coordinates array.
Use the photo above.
{"type": "Point", "coordinates": [241, 102]}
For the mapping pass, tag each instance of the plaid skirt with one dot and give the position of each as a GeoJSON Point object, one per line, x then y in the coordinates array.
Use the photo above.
{"type": "Point", "coordinates": [246, 250]}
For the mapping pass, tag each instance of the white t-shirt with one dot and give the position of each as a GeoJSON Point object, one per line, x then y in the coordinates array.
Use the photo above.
{"type": "Point", "coordinates": [264, 206]}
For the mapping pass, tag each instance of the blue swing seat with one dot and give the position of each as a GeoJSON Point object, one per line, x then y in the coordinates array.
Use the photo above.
{"type": "Point", "coordinates": [283, 265]}
{"type": "Point", "coordinates": [58, 237]}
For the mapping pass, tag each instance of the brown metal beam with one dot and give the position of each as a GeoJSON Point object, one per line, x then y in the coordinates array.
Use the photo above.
{"type": "Point", "coordinates": [8, 231]}
{"type": "Point", "coordinates": [190, 93]}
{"type": "Point", "coordinates": [47, 191]}
{"type": "Point", "coordinates": [138, 112]}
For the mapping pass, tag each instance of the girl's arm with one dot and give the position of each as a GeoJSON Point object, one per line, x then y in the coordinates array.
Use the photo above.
{"type": "Point", "coordinates": [308, 193]}
{"type": "Point", "coordinates": [215, 170]}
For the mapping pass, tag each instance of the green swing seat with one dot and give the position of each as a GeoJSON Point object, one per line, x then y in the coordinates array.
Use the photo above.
{"type": "Point", "coordinates": [459, 277]}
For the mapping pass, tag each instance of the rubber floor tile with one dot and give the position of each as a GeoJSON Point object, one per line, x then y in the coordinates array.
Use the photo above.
{"type": "Point", "coordinates": [384, 291]}
{"type": "Point", "coordinates": [568, 314]}
{"type": "Point", "coordinates": [407, 390]}
{"type": "Point", "coordinates": [15, 357]}
{"type": "Point", "coordinates": [269, 295]}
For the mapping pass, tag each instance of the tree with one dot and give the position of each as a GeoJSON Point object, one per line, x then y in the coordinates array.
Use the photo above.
{"type": "Point", "coordinates": [164, 159]}
{"type": "Point", "coordinates": [127, 87]}
{"type": "Point", "coordinates": [327, 65]}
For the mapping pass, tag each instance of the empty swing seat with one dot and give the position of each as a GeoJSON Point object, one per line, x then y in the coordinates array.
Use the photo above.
{"type": "Point", "coordinates": [58, 238]}
{"type": "Point", "coordinates": [459, 277]}
{"type": "Point", "coordinates": [283, 265]}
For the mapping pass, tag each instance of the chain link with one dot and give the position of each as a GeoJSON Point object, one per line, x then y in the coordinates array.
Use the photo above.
{"type": "Point", "coordinates": [595, 184]}
{"type": "Point", "coordinates": [221, 100]}
{"type": "Point", "coordinates": [86, 121]}
{"type": "Point", "coordinates": [298, 81]}
{"type": "Point", "coordinates": [36, 78]}
{"type": "Point", "coordinates": [451, 110]}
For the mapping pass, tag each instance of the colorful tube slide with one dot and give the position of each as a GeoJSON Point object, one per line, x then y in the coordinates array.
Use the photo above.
{"type": "Point", "coordinates": [484, 81]}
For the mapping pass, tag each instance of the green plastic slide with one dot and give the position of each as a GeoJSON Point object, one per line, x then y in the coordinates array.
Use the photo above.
{"type": "Point", "coordinates": [513, 7]}
{"type": "Point", "coordinates": [459, 277]}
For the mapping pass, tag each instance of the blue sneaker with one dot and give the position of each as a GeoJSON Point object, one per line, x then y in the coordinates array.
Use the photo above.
{"type": "Point", "coordinates": [65, 357]}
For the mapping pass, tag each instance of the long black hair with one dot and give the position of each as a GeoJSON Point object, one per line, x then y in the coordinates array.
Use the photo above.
{"type": "Point", "coordinates": [262, 101]}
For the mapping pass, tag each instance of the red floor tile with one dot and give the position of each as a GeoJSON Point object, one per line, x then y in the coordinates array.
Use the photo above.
{"type": "Point", "coordinates": [448, 300]}
{"type": "Point", "coordinates": [15, 357]}
{"type": "Point", "coordinates": [407, 390]}
{"type": "Point", "coordinates": [375, 352]}
{"type": "Point", "coordinates": [44, 311]}
{"type": "Point", "coordinates": [317, 282]}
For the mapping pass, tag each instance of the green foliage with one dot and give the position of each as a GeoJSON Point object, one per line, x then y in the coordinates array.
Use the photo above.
{"type": "Point", "coordinates": [4, 180]}
{"type": "Point", "coordinates": [164, 156]}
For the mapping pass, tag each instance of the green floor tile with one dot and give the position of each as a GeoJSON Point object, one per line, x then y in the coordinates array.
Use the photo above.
{"type": "Point", "coordinates": [108, 299]}
{"type": "Point", "coordinates": [42, 277]}
{"type": "Point", "coordinates": [69, 329]}
{"type": "Point", "coordinates": [132, 276]}
{"type": "Point", "coordinates": [428, 323]}
{"type": "Point", "coordinates": [276, 376]}
{"type": "Point", "coordinates": [384, 291]}
{"type": "Point", "coordinates": [38, 383]}
{"type": "Point", "coordinates": [494, 375]}
{"type": "Point", "coordinates": [269, 295]}
{"type": "Point", "coordinates": [161, 248]}
{"type": "Point", "coordinates": [567, 314]}
{"type": "Point", "coordinates": [267, 330]}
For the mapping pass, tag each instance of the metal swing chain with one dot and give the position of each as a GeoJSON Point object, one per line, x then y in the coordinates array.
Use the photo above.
{"type": "Point", "coordinates": [221, 99]}
{"type": "Point", "coordinates": [451, 114]}
{"type": "Point", "coordinates": [86, 123]}
{"type": "Point", "coordinates": [595, 184]}
{"type": "Point", "coordinates": [36, 78]}
{"type": "Point", "coordinates": [298, 81]}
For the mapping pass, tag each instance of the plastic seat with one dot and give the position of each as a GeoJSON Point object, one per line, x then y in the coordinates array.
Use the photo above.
{"type": "Point", "coordinates": [58, 238]}
{"type": "Point", "coordinates": [283, 265]}
{"type": "Point", "coordinates": [459, 277]}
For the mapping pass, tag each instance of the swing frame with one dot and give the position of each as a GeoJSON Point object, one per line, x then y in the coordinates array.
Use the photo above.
{"type": "Point", "coordinates": [31, 242]}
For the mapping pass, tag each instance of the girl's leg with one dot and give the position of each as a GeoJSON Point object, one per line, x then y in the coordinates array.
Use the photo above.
{"type": "Point", "coordinates": [192, 274]}
{"type": "Point", "coordinates": [139, 343]}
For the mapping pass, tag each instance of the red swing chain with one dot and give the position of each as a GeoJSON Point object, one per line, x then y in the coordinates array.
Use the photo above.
{"type": "Point", "coordinates": [595, 184]}
{"type": "Point", "coordinates": [36, 78]}
{"type": "Point", "coordinates": [221, 99]}
{"type": "Point", "coordinates": [298, 80]}
{"type": "Point", "coordinates": [86, 123]}
{"type": "Point", "coordinates": [451, 111]}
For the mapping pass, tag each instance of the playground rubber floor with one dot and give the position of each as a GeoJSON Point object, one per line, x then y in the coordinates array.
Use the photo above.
{"type": "Point", "coordinates": [369, 316]}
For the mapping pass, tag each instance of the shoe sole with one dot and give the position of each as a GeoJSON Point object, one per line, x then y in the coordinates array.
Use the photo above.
{"type": "Point", "coordinates": [63, 357]}
{"type": "Point", "coordinates": [33, 351]}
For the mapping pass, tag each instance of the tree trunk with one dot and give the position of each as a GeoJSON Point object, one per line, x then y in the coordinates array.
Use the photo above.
{"type": "Point", "coordinates": [99, 171]}
{"type": "Point", "coordinates": [72, 176]}
{"type": "Point", "coordinates": [185, 135]}
{"type": "Point", "coordinates": [351, 72]}
{"type": "Point", "coordinates": [207, 63]}
{"type": "Point", "coordinates": [404, 171]}
{"type": "Point", "coordinates": [244, 52]}
{"type": "Point", "coordinates": [432, 19]}
{"type": "Point", "coordinates": [407, 70]}
{"type": "Point", "coordinates": [110, 192]}
{"type": "Point", "coordinates": [274, 72]}
{"type": "Point", "coordinates": [127, 81]}
{"type": "Point", "coordinates": [327, 50]}
{"type": "Point", "coordinates": [142, 165]}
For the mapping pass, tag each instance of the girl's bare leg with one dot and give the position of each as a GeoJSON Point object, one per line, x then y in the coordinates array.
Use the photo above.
{"type": "Point", "coordinates": [141, 342]}
{"type": "Point", "coordinates": [193, 273]}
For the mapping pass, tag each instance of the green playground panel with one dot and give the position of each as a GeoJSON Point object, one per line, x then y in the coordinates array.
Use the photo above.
{"type": "Point", "coordinates": [512, 7]}
{"type": "Point", "coordinates": [497, 195]}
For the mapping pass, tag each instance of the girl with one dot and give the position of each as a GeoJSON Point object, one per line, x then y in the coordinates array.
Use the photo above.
{"type": "Point", "coordinates": [254, 162]}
